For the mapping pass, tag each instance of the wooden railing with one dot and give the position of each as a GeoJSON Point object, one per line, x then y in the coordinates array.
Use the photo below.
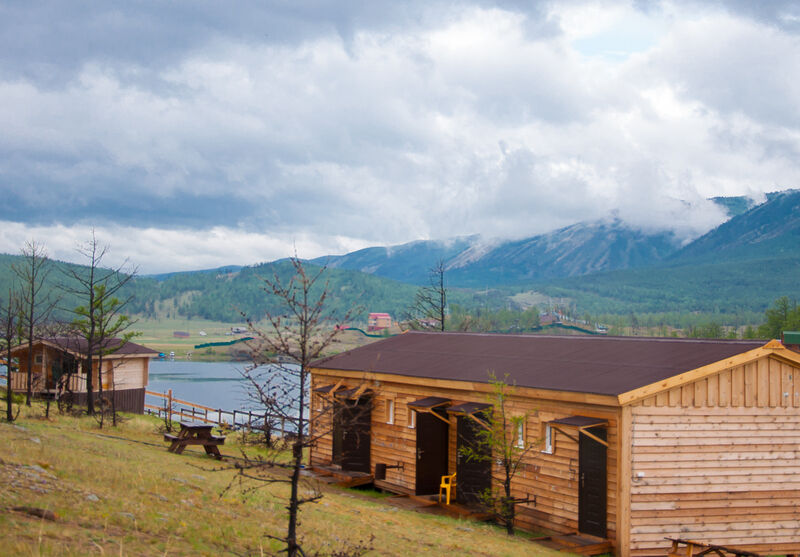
{"type": "Point", "coordinates": [19, 382]}
{"type": "Point", "coordinates": [244, 419]}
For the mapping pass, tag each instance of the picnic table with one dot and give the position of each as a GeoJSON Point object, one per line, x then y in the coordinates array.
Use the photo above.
{"type": "Point", "coordinates": [195, 434]}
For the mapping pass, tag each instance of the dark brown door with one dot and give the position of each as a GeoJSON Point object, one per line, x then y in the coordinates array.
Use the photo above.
{"type": "Point", "coordinates": [592, 486]}
{"type": "Point", "coordinates": [354, 431]}
{"type": "Point", "coordinates": [473, 475]}
{"type": "Point", "coordinates": [338, 433]}
{"type": "Point", "coordinates": [432, 441]}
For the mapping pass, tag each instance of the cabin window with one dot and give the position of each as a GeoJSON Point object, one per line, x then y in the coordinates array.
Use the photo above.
{"type": "Point", "coordinates": [412, 419]}
{"type": "Point", "coordinates": [38, 359]}
{"type": "Point", "coordinates": [548, 439]}
{"type": "Point", "coordinates": [390, 411]}
{"type": "Point", "coordinates": [519, 433]}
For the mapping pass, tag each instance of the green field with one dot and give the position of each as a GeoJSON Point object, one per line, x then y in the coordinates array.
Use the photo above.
{"type": "Point", "coordinates": [157, 334]}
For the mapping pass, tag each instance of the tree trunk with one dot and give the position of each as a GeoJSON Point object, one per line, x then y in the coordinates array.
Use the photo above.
{"type": "Point", "coordinates": [100, 388]}
{"type": "Point", "coordinates": [507, 505]}
{"type": "Point", "coordinates": [292, 548]}
{"type": "Point", "coordinates": [9, 412]}
{"type": "Point", "coordinates": [29, 390]}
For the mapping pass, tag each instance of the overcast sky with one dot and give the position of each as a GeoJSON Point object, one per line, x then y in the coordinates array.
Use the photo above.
{"type": "Point", "coordinates": [197, 134]}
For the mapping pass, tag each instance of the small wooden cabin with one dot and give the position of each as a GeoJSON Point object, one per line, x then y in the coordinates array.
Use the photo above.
{"type": "Point", "coordinates": [638, 438]}
{"type": "Point", "coordinates": [125, 371]}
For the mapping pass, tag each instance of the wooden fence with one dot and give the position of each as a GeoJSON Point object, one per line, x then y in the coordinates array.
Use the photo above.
{"type": "Point", "coordinates": [237, 419]}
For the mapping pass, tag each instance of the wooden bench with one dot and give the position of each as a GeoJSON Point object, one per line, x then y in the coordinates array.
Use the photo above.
{"type": "Point", "coordinates": [704, 549]}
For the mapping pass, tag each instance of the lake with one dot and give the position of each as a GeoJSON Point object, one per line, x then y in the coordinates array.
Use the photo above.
{"type": "Point", "coordinates": [213, 384]}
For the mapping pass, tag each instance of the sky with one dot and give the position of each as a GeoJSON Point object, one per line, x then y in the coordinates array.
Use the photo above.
{"type": "Point", "coordinates": [191, 135]}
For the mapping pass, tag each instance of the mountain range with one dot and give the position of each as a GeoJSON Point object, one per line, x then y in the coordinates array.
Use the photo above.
{"type": "Point", "coordinates": [604, 267]}
{"type": "Point", "coordinates": [582, 249]}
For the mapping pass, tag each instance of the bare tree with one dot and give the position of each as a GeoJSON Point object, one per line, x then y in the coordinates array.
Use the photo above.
{"type": "Point", "coordinates": [10, 310]}
{"type": "Point", "coordinates": [282, 354]}
{"type": "Point", "coordinates": [429, 310]}
{"type": "Point", "coordinates": [503, 440]}
{"type": "Point", "coordinates": [99, 317]}
{"type": "Point", "coordinates": [37, 304]}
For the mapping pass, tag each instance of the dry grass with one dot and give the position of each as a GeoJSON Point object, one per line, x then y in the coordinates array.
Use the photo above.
{"type": "Point", "coordinates": [117, 491]}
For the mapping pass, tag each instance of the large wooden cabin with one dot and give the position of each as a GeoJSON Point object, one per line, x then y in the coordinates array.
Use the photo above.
{"type": "Point", "coordinates": [125, 370]}
{"type": "Point", "coordinates": [638, 438]}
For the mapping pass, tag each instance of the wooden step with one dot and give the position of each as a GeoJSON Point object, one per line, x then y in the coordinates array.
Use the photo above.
{"type": "Point", "coordinates": [582, 544]}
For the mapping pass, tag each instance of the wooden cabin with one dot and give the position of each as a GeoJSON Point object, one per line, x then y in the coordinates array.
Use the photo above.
{"type": "Point", "coordinates": [638, 438]}
{"type": "Point", "coordinates": [125, 371]}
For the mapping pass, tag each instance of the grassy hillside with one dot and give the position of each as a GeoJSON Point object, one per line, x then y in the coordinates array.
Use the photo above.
{"type": "Point", "coordinates": [223, 295]}
{"type": "Point", "coordinates": [119, 492]}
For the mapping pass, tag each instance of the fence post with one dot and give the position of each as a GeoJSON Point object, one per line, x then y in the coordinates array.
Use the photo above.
{"type": "Point", "coordinates": [169, 405]}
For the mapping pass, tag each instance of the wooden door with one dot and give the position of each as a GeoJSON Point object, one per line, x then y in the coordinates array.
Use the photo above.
{"type": "Point", "coordinates": [432, 442]}
{"type": "Point", "coordinates": [473, 475]}
{"type": "Point", "coordinates": [338, 434]}
{"type": "Point", "coordinates": [592, 485]}
{"type": "Point", "coordinates": [356, 418]}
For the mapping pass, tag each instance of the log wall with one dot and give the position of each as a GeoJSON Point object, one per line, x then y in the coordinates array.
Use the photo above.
{"type": "Point", "coordinates": [550, 480]}
{"type": "Point", "coordinates": [718, 461]}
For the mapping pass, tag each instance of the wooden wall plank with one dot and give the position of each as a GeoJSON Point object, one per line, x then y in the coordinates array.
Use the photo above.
{"type": "Point", "coordinates": [730, 475]}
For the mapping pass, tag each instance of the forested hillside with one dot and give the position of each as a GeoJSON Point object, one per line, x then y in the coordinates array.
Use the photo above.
{"type": "Point", "coordinates": [228, 293]}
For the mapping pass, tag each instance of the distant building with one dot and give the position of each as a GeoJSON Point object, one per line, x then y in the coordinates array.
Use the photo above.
{"type": "Point", "coordinates": [180, 334]}
{"type": "Point", "coordinates": [238, 330]}
{"type": "Point", "coordinates": [59, 369]}
{"type": "Point", "coordinates": [378, 321]}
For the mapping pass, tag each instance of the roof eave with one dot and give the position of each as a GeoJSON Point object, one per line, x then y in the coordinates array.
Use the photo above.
{"type": "Point", "coordinates": [483, 387]}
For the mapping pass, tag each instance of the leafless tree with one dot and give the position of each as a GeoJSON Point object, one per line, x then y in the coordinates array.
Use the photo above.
{"type": "Point", "coordinates": [429, 310]}
{"type": "Point", "coordinates": [98, 319]}
{"type": "Point", "coordinates": [282, 354]}
{"type": "Point", "coordinates": [10, 310]}
{"type": "Point", "coordinates": [37, 303]}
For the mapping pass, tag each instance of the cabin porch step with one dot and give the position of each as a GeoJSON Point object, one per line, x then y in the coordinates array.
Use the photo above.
{"type": "Point", "coordinates": [581, 544]}
{"type": "Point", "coordinates": [342, 478]}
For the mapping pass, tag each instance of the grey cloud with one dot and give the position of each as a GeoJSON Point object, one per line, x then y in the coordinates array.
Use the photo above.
{"type": "Point", "coordinates": [352, 120]}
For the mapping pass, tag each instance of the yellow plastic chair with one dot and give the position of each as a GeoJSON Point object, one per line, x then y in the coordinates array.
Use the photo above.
{"type": "Point", "coordinates": [448, 483]}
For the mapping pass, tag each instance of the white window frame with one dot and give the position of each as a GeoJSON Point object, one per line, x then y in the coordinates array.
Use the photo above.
{"type": "Point", "coordinates": [519, 434]}
{"type": "Point", "coordinates": [390, 411]}
{"type": "Point", "coordinates": [412, 419]}
{"type": "Point", "coordinates": [548, 439]}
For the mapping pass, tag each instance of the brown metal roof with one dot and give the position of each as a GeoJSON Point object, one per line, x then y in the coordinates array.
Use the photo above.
{"type": "Point", "coordinates": [598, 365]}
{"type": "Point", "coordinates": [429, 402]}
{"type": "Point", "coordinates": [579, 421]}
{"type": "Point", "coordinates": [468, 408]}
{"type": "Point", "coordinates": [350, 393]}
{"type": "Point", "coordinates": [77, 345]}
{"type": "Point", "coordinates": [327, 389]}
